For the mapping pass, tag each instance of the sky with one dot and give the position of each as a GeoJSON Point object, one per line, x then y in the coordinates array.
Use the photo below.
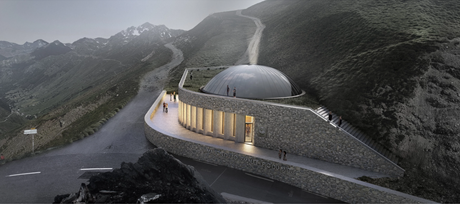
{"type": "Point", "coordinates": [69, 20]}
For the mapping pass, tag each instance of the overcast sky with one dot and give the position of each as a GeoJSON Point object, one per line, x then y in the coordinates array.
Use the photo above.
{"type": "Point", "coordinates": [70, 20]}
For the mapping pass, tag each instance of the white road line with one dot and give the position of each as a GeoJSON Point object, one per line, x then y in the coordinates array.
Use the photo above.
{"type": "Point", "coordinates": [218, 177]}
{"type": "Point", "coordinates": [23, 174]}
{"type": "Point", "coordinates": [95, 169]}
{"type": "Point", "coordinates": [259, 177]}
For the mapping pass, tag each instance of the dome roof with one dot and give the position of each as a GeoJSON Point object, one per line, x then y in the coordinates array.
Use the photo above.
{"type": "Point", "coordinates": [253, 81]}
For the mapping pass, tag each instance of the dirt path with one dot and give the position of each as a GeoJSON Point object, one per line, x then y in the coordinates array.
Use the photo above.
{"type": "Point", "coordinates": [252, 53]}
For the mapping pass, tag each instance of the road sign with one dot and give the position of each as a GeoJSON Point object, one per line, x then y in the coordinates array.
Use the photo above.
{"type": "Point", "coordinates": [32, 132]}
{"type": "Point", "coordinates": [29, 132]}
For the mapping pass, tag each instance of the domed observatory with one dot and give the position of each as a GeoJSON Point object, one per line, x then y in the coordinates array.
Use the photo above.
{"type": "Point", "coordinates": [253, 82]}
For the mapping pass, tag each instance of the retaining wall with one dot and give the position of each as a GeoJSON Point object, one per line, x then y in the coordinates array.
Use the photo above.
{"type": "Point", "coordinates": [297, 130]}
{"type": "Point", "coordinates": [307, 178]}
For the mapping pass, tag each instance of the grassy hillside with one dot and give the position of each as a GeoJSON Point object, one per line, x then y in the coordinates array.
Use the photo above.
{"type": "Point", "coordinates": [76, 116]}
{"type": "Point", "coordinates": [220, 39]}
{"type": "Point", "coordinates": [388, 67]}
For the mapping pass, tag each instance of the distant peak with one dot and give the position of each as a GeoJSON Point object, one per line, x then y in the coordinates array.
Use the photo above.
{"type": "Point", "coordinates": [40, 41]}
{"type": "Point", "coordinates": [147, 24]}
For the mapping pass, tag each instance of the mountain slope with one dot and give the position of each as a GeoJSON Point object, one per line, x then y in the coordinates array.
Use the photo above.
{"type": "Point", "coordinates": [388, 67]}
{"type": "Point", "coordinates": [68, 91]}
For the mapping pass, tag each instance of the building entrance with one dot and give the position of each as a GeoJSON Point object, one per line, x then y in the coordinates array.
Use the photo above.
{"type": "Point", "coordinates": [249, 130]}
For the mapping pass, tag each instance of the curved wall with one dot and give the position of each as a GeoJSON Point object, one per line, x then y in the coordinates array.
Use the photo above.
{"type": "Point", "coordinates": [295, 129]}
{"type": "Point", "coordinates": [308, 178]}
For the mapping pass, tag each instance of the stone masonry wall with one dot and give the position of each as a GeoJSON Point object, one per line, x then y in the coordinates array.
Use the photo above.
{"type": "Point", "coordinates": [297, 130]}
{"type": "Point", "coordinates": [309, 179]}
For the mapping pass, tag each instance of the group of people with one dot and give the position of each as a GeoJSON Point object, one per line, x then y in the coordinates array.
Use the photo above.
{"type": "Point", "coordinates": [234, 91]}
{"type": "Point", "coordinates": [330, 119]}
{"type": "Point", "coordinates": [282, 153]}
{"type": "Point", "coordinates": [171, 97]}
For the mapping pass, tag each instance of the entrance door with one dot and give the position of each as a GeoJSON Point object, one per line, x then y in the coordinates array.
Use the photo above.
{"type": "Point", "coordinates": [249, 130]}
{"type": "Point", "coordinates": [248, 133]}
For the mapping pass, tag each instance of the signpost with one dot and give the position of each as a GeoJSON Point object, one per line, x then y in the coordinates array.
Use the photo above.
{"type": "Point", "coordinates": [32, 132]}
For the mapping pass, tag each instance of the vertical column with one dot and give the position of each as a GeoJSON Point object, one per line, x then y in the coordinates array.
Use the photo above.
{"type": "Point", "coordinates": [193, 115]}
{"type": "Point", "coordinates": [239, 128]}
{"type": "Point", "coordinates": [217, 123]}
{"type": "Point", "coordinates": [179, 116]}
{"type": "Point", "coordinates": [189, 110]}
{"type": "Point", "coordinates": [228, 131]}
{"type": "Point", "coordinates": [207, 122]}
{"type": "Point", "coordinates": [199, 120]}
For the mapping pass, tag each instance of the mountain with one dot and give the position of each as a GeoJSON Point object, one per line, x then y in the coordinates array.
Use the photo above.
{"type": "Point", "coordinates": [2, 57]}
{"type": "Point", "coordinates": [390, 68]}
{"type": "Point", "coordinates": [8, 49]}
{"type": "Point", "coordinates": [54, 48]}
{"type": "Point", "coordinates": [69, 90]}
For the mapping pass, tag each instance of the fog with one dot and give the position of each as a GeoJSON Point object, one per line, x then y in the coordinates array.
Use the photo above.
{"type": "Point", "coordinates": [70, 20]}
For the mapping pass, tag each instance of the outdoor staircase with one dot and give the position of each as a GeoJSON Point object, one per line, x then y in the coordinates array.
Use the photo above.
{"type": "Point", "coordinates": [324, 112]}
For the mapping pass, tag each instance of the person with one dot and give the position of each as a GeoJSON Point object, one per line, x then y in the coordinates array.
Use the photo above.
{"type": "Point", "coordinates": [2, 159]}
{"type": "Point", "coordinates": [170, 97]}
{"type": "Point", "coordinates": [279, 153]}
{"type": "Point", "coordinates": [191, 76]}
{"type": "Point", "coordinates": [228, 89]}
{"type": "Point", "coordinates": [284, 158]}
{"type": "Point", "coordinates": [330, 116]}
{"type": "Point", "coordinates": [174, 95]}
{"type": "Point", "coordinates": [234, 92]}
{"type": "Point", "coordinates": [340, 121]}
{"type": "Point", "coordinates": [166, 107]}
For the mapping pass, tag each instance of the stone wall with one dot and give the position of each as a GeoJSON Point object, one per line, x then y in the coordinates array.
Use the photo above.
{"type": "Point", "coordinates": [307, 178]}
{"type": "Point", "coordinates": [297, 130]}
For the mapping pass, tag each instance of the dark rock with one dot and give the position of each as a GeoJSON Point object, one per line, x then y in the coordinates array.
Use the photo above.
{"type": "Point", "coordinates": [156, 177]}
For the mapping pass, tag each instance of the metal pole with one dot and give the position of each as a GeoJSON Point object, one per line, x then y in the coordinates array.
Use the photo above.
{"type": "Point", "coordinates": [33, 144]}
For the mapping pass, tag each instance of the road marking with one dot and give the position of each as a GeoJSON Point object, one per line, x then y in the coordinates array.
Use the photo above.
{"type": "Point", "coordinates": [259, 177]}
{"type": "Point", "coordinates": [241, 198]}
{"type": "Point", "coordinates": [218, 177]}
{"type": "Point", "coordinates": [95, 169]}
{"type": "Point", "coordinates": [23, 174]}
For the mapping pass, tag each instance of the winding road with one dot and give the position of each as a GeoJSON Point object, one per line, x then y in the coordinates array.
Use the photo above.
{"type": "Point", "coordinates": [252, 53]}
{"type": "Point", "coordinates": [38, 179]}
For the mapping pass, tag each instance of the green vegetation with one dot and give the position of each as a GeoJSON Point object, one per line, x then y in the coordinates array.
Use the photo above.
{"type": "Point", "coordinates": [220, 39]}
{"type": "Point", "coordinates": [371, 62]}
{"type": "Point", "coordinates": [200, 78]}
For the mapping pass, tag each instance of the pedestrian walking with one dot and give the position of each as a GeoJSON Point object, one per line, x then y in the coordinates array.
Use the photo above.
{"type": "Point", "coordinates": [174, 95]}
{"type": "Point", "coordinates": [234, 92]}
{"type": "Point", "coordinates": [166, 107]}
{"type": "Point", "coordinates": [330, 116]}
{"type": "Point", "coordinates": [170, 97]}
{"type": "Point", "coordinates": [2, 159]}
{"type": "Point", "coordinates": [340, 121]}
{"type": "Point", "coordinates": [191, 76]}
{"type": "Point", "coordinates": [279, 153]}
{"type": "Point", "coordinates": [228, 89]}
{"type": "Point", "coordinates": [284, 158]}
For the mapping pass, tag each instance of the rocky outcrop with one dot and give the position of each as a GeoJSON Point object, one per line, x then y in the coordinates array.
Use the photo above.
{"type": "Point", "coordinates": [156, 177]}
